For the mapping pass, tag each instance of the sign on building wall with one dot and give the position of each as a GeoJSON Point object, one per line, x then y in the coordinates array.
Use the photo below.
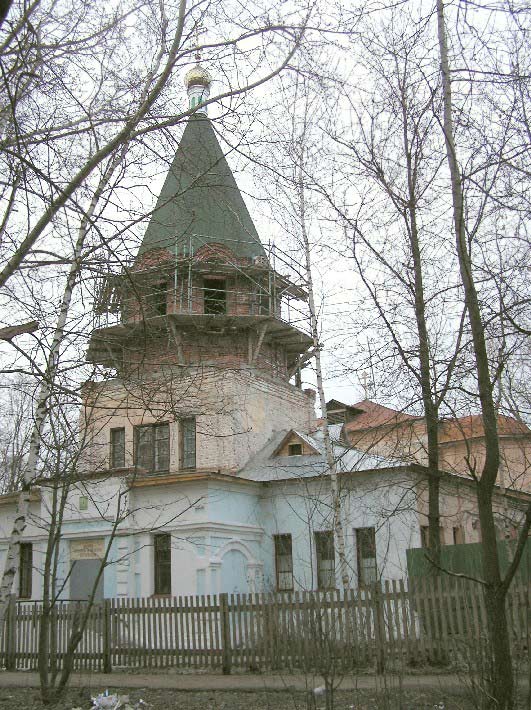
{"type": "Point", "coordinates": [87, 549]}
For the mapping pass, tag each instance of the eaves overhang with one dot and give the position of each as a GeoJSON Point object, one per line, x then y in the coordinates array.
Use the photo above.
{"type": "Point", "coordinates": [104, 340]}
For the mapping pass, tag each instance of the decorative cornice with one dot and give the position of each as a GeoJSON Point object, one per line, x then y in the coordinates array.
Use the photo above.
{"type": "Point", "coordinates": [189, 477]}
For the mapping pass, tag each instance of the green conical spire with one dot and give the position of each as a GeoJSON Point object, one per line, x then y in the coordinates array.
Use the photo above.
{"type": "Point", "coordinates": [200, 202]}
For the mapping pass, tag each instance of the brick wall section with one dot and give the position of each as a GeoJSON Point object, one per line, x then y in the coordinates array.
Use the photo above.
{"type": "Point", "coordinates": [230, 349]}
{"type": "Point", "coordinates": [199, 373]}
{"type": "Point", "coordinates": [159, 265]}
{"type": "Point", "coordinates": [237, 411]}
{"type": "Point", "coordinates": [152, 259]}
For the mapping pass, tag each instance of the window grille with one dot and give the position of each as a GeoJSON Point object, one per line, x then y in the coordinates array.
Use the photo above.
{"type": "Point", "coordinates": [325, 558]}
{"type": "Point", "coordinates": [283, 562]}
{"type": "Point", "coordinates": [162, 545]}
{"type": "Point", "coordinates": [118, 448]}
{"type": "Point", "coordinates": [366, 553]}
{"type": "Point", "coordinates": [187, 443]}
{"type": "Point", "coordinates": [25, 570]}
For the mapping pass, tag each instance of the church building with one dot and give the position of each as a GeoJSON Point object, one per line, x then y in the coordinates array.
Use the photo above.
{"type": "Point", "coordinates": [202, 467]}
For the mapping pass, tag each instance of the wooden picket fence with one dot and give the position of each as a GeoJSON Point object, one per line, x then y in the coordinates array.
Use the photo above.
{"type": "Point", "coordinates": [434, 620]}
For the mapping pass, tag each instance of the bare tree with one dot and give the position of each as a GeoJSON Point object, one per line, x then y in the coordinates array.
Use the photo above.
{"type": "Point", "coordinates": [495, 585]}
{"type": "Point", "coordinates": [48, 159]}
{"type": "Point", "coordinates": [62, 481]}
{"type": "Point", "coordinates": [392, 149]}
{"type": "Point", "coordinates": [299, 155]}
{"type": "Point", "coordinates": [61, 161]}
{"type": "Point", "coordinates": [15, 433]}
{"type": "Point", "coordinates": [429, 238]}
{"type": "Point", "coordinates": [46, 391]}
{"type": "Point", "coordinates": [469, 285]}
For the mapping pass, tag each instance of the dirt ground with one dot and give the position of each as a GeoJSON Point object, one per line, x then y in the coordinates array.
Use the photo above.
{"type": "Point", "coordinates": [156, 699]}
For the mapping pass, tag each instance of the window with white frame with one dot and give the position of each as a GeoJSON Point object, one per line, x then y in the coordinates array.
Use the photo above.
{"type": "Point", "coordinates": [187, 434]}
{"type": "Point", "coordinates": [162, 566]}
{"type": "Point", "coordinates": [152, 447]}
{"type": "Point", "coordinates": [117, 448]}
{"type": "Point", "coordinates": [325, 559]}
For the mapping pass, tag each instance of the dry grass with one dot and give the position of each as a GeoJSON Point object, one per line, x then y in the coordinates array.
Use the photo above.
{"type": "Point", "coordinates": [394, 699]}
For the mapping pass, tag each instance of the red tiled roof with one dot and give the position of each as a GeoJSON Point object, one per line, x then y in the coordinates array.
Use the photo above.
{"type": "Point", "coordinates": [472, 426]}
{"type": "Point", "coordinates": [375, 415]}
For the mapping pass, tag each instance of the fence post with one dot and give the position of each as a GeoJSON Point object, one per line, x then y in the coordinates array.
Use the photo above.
{"type": "Point", "coordinates": [107, 662]}
{"type": "Point", "coordinates": [11, 635]}
{"type": "Point", "coordinates": [225, 633]}
{"type": "Point", "coordinates": [379, 628]}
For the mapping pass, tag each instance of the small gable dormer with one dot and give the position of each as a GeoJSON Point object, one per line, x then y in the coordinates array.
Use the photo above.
{"type": "Point", "coordinates": [296, 444]}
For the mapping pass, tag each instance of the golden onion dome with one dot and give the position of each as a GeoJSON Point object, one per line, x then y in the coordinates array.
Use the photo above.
{"type": "Point", "coordinates": [197, 75]}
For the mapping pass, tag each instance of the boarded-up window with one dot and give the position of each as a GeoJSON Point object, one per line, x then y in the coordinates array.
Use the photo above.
{"type": "Point", "coordinates": [152, 447]}
{"type": "Point", "coordinates": [325, 559]}
{"type": "Point", "coordinates": [159, 298]}
{"type": "Point", "coordinates": [425, 536]}
{"type": "Point", "coordinates": [25, 570]}
{"type": "Point", "coordinates": [118, 448]}
{"type": "Point", "coordinates": [260, 303]}
{"type": "Point", "coordinates": [366, 553]}
{"type": "Point", "coordinates": [162, 544]}
{"type": "Point", "coordinates": [187, 442]}
{"type": "Point", "coordinates": [458, 535]}
{"type": "Point", "coordinates": [283, 563]}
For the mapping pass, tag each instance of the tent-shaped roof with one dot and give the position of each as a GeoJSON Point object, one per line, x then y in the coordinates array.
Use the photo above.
{"type": "Point", "coordinates": [200, 202]}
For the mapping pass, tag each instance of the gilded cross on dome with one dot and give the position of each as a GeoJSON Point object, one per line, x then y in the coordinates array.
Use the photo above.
{"type": "Point", "coordinates": [197, 79]}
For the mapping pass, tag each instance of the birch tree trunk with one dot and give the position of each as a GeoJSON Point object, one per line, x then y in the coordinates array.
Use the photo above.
{"type": "Point", "coordinates": [45, 391]}
{"type": "Point", "coordinates": [331, 464]}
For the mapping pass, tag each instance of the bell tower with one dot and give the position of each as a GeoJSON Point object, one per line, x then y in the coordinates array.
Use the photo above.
{"type": "Point", "coordinates": [205, 320]}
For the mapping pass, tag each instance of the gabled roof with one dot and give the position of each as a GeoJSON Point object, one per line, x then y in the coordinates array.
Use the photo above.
{"type": "Point", "coordinates": [340, 412]}
{"type": "Point", "coordinates": [294, 435]}
{"type": "Point", "coordinates": [334, 404]}
{"type": "Point", "coordinates": [375, 415]}
{"type": "Point", "coordinates": [200, 202]}
{"type": "Point", "coordinates": [265, 466]}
